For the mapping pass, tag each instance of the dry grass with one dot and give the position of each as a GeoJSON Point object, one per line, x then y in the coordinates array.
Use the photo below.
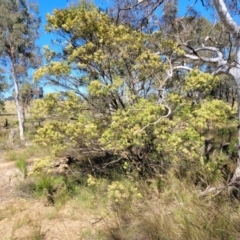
{"type": "Point", "coordinates": [10, 114]}
{"type": "Point", "coordinates": [176, 213]}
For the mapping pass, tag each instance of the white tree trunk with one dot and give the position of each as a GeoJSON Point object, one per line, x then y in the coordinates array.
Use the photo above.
{"type": "Point", "coordinates": [237, 81]}
{"type": "Point", "coordinates": [18, 105]}
{"type": "Point", "coordinates": [234, 28]}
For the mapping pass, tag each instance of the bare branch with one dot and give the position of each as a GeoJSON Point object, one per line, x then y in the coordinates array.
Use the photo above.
{"type": "Point", "coordinates": [211, 190]}
{"type": "Point", "coordinates": [183, 68]}
{"type": "Point", "coordinates": [112, 162]}
{"type": "Point", "coordinates": [165, 116]}
{"type": "Point", "coordinates": [219, 59]}
{"type": "Point", "coordinates": [225, 69]}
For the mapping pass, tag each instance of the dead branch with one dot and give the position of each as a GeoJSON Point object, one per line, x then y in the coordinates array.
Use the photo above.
{"type": "Point", "coordinates": [210, 190]}
{"type": "Point", "coordinates": [110, 163]}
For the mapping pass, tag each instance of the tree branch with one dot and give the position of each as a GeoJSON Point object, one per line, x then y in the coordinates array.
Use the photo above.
{"type": "Point", "coordinates": [219, 60]}
{"type": "Point", "coordinates": [225, 16]}
{"type": "Point", "coordinates": [165, 116]}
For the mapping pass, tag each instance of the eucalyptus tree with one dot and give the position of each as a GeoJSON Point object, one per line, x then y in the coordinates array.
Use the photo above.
{"type": "Point", "coordinates": [223, 55]}
{"type": "Point", "coordinates": [19, 25]}
{"type": "Point", "coordinates": [231, 67]}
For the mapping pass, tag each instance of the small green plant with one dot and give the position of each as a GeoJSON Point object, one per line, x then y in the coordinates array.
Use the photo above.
{"type": "Point", "coordinates": [46, 184]}
{"type": "Point", "coordinates": [21, 164]}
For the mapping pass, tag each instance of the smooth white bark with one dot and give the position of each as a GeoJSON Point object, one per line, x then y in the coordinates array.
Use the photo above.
{"type": "Point", "coordinates": [219, 59]}
{"type": "Point", "coordinates": [225, 16]}
{"type": "Point", "coordinates": [18, 105]}
{"type": "Point", "coordinates": [234, 28]}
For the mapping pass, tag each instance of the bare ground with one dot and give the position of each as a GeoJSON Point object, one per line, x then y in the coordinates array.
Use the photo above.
{"type": "Point", "coordinates": [26, 219]}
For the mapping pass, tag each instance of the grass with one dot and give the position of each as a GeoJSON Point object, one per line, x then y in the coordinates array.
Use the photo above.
{"type": "Point", "coordinates": [27, 153]}
{"type": "Point", "coordinates": [173, 211]}
{"type": "Point", "coordinates": [10, 113]}
{"type": "Point", "coordinates": [163, 208]}
{"type": "Point", "coordinates": [7, 212]}
{"type": "Point", "coordinates": [21, 165]}
{"type": "Point", "coordinates": [36, 234]}
{"type": "Point", "coordinates": [52, 214]}
{"type": "Point", "coordinates": [22, 221]}
{"type": "Point", "coordinates": [55, 189]}
{"type": "Point", "coordinates": [178, 213]}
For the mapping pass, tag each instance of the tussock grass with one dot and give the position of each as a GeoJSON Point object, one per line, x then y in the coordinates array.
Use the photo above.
{"type": "Point", "coordinates": [162, 208]}
{"type": "Point", "coordinates": [176, 213]}
{"type": "Point", "coordinates": [21, 164]}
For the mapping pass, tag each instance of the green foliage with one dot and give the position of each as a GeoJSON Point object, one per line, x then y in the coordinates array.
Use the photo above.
{"type": "Point", "coordinates": [126, 128]}
{"type": "Point", "coordinates": [122, 193]}
{"type": "Point", "coordinates": [201, 82]}
{"type": "Point", "coordinates": [142, 133]}
{"type": "Point", "coordinates": [66, 133]}
{"type": "Point", "coordinates": [121, 111]}
{"type": "Point", "coordinates": [116, 64]}
{"type": "Point", "coordinates": [19, 25]}
{"type": "Point", "coordinates": [40, 166]}
{"type": "Point", "coordinates": [21, 164]}
{"type": "Point", "coordinates": [212, 114]}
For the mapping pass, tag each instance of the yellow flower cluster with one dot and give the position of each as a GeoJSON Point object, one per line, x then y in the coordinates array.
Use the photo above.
{"type": "Point", "coordinates": [120, 193]}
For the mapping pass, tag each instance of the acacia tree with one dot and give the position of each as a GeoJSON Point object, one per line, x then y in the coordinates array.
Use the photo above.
{"type": "Point", "coordinates": [115, 62]}
{"type": "Point", "coordinates": [127, 114]}
{"type": "Point", "coordinates": [18, 52]}
{"type": "Point", "coordinates": [218, 54]}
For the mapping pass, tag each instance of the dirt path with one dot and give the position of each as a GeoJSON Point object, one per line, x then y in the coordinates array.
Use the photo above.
{"type": "Point", "coordinates": [26, 219]}
{"type": "Point", "coordinates": [7, 174]}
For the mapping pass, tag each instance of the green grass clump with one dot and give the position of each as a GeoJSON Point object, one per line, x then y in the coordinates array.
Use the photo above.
{"type": "Point", "coordinates": [58, 189]}
{"type": "Point", "coordinates": [21, 164]}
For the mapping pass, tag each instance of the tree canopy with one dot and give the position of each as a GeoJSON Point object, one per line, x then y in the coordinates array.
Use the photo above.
{"type": "Point", "coordinates": [144, 96]}
{"type": "Point", "coordinates": [18, 52]}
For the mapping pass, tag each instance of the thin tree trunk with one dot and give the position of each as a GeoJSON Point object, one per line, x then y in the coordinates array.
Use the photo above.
{"type": "Point", "coordinates": [18, 105]}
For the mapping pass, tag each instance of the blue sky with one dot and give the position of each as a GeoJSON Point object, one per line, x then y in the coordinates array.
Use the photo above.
{"type": "Point", "coordinates": [47, 6]}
